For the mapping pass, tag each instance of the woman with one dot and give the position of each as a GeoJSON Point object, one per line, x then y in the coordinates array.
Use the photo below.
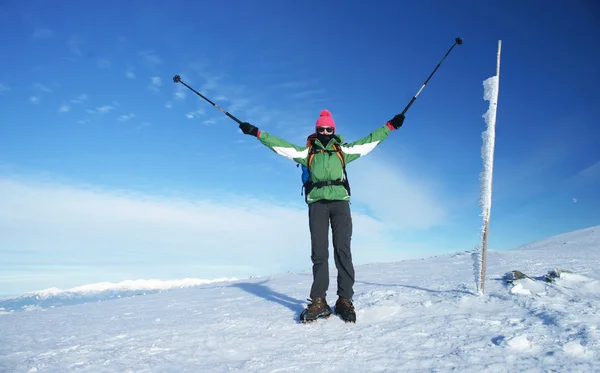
{"type": "Point", "coordinates": [328, 199]}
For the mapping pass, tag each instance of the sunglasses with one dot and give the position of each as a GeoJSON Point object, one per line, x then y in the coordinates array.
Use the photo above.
{"type": "Point", "coordinates": [325, 129]}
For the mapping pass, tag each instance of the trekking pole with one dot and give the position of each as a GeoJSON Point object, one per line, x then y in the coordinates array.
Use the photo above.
{"type": "Point", "coordinates": [177, 79]}
{"type": "Point", "coordinates": [456, 41]}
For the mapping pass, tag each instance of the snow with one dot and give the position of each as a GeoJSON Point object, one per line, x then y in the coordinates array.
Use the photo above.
{"type": "Point", "coordinates": [489, 137]}
{"type": "Point", "coordinates": [419, 315]}
{"type": "Point", "coordinates": [127, 285]}
{"type": "Point", "coordinates": [490, 93]}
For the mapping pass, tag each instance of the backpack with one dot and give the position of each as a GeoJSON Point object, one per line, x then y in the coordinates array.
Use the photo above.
{"type": "Point", "coordinates": [308, 185]}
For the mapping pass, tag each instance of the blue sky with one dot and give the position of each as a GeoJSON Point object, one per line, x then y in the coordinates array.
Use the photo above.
{"type": "Point", "coordinates": [110, 171]}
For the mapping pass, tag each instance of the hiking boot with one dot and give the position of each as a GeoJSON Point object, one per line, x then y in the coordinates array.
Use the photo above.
{"type": "Point", "coordinates": [317, 309]}
{"type": "Point", "coordinates": [345, 309]}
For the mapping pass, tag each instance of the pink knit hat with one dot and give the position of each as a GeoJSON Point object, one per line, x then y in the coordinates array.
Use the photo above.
{"type": "Point", "coordinates": [325, 120]}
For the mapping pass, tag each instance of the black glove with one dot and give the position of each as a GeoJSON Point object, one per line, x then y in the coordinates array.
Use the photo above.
{"type": "Point", "coordinates": [249, 129]}
{"type": "Point", "coordinates": [397, 121]}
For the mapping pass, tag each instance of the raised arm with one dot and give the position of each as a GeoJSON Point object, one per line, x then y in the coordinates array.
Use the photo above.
{"type": "Point", "coordinates": [280, 146]}
{"type": "Point", "coordinates": [359, 148]}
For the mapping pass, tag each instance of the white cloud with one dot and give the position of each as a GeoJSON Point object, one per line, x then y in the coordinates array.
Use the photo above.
{"type": "Point", "coordinates": [129, 73]}
{"type": "Point", "coordinates": [63, 108]}
{"type": "Point", "coordinates": [294, 84]}
{"type": "Point", "coordinates": [4, 88]}
{"type": "Point", "coordinates": [211, 82]}
{"type": "Point", "coordinates": [196, 114]}
{"type": "Point", "coordinates": [38, 87]}
{"type": "Point", "coordinates": [308, 93]}
{"type": "Point", "coordinates": [34, 99]}
{"type": "Point", "coordinates": [126, 117]}
{"type": "Point", "coordinates": [117, 230]}
{"type": "Point", "coordinates": [155, 83]}
{"type": "Point", "coordinates": [79, 99]}
{"type": "Point", "coordinates": [239, 104]}
{"type": "Point", "coordinates": [102, 109]}
{"type": "Point", "coordinates": [168, 105]}
{"type": "Point", "coordinates": [590, 174]}
{"type": "Point", "coordinates": [43, 33]}
{"type": "Point", "coordinates": [394, 197]}
{"type": "Point", "coordinates": [151, 58]}
{"type": "Point", "coordinates": [179, 90]}
{"type": "Point", "coordinates": [104, 63]}
{"type": "Point", "coordinates": [141, 126]}
{"type": "Point", "coordinates": [74, 45]}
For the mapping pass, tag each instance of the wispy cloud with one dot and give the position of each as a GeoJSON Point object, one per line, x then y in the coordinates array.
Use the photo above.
{"type": "Point", "coordinates": [104, 109]}
{"type": "Point", "coordinates": [74, 44]}
{"type": "Point", "coordinates": [101, 109]}
{"type": "Point", "coordinates": [243, 101]}
{"type": "Point", "coordinates": [126, 117]}
{"type": "Point", "coordinates": [43, 33]}
{"type": "Point", "coordinates": [155, 84]}
{"type": "Point", "coordinates": [63, 108]}
{"type": "Point", "coordinates": [211, 82]}
{"type": "Point", "coordinates": [129, 73]}
{"type": "Point", "coordinates": [151, 58]}
{"type": "Point", "coordinates": [179, 92]}
{"type": "Point", "coordinates": [143, 125]}
{"type": "Point", "coordinates": [4, 88]}
{"type": "Point", "coordinates": [590, 173]}
{"type": "Point", "coordinates": [104, 63]}
{"type": "Point", "coordinates": [196, 114]}
{"type": "Point", "coordinates": [295, 84]}
{"type": "Point", "coordinates": [79, 99]}
{"type": "Point", "coordinates": [393, 196]}
{"type": "Point", "coordinates": [38, 87]}
{"type": "Point", "coordinates": [34, 99]}
{"type": "Point", "coordinates": [140, 126]}
{"type": "Point", "coordinates": [90, 226]}
{"type": "Point", "coordinates": [309, 93]}
{"type": "Point", "coordinates": [238, 104]}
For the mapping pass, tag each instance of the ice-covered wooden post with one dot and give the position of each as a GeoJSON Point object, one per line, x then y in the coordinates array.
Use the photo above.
{"type": "Point", "coordinates": [491, 87]}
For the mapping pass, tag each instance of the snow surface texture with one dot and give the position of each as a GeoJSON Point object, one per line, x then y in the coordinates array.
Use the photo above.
{"type": "Point", "coordinates": [413, 316]}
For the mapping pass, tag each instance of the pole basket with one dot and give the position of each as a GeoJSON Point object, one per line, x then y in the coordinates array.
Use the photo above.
{"type": "Point", "coordinates": [176, 79]}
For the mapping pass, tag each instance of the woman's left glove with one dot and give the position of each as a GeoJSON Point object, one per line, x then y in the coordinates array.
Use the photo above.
{"type": "Point", "coordinates": [249, 129]}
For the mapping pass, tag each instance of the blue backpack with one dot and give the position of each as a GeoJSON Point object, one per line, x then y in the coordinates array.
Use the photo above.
{"type": "Point", "coordinates": [305, 175]}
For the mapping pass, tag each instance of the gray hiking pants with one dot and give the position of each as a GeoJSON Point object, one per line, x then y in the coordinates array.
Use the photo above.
{"type": "Point", "coordinates": [320, 214]}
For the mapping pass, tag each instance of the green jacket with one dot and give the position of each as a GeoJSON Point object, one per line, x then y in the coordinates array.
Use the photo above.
{"type": "Point", "coordinates": [326, 166]}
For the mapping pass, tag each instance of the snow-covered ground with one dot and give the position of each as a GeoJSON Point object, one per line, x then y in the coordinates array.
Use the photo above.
{"type": "Point", "coordinates": [413, 316]}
